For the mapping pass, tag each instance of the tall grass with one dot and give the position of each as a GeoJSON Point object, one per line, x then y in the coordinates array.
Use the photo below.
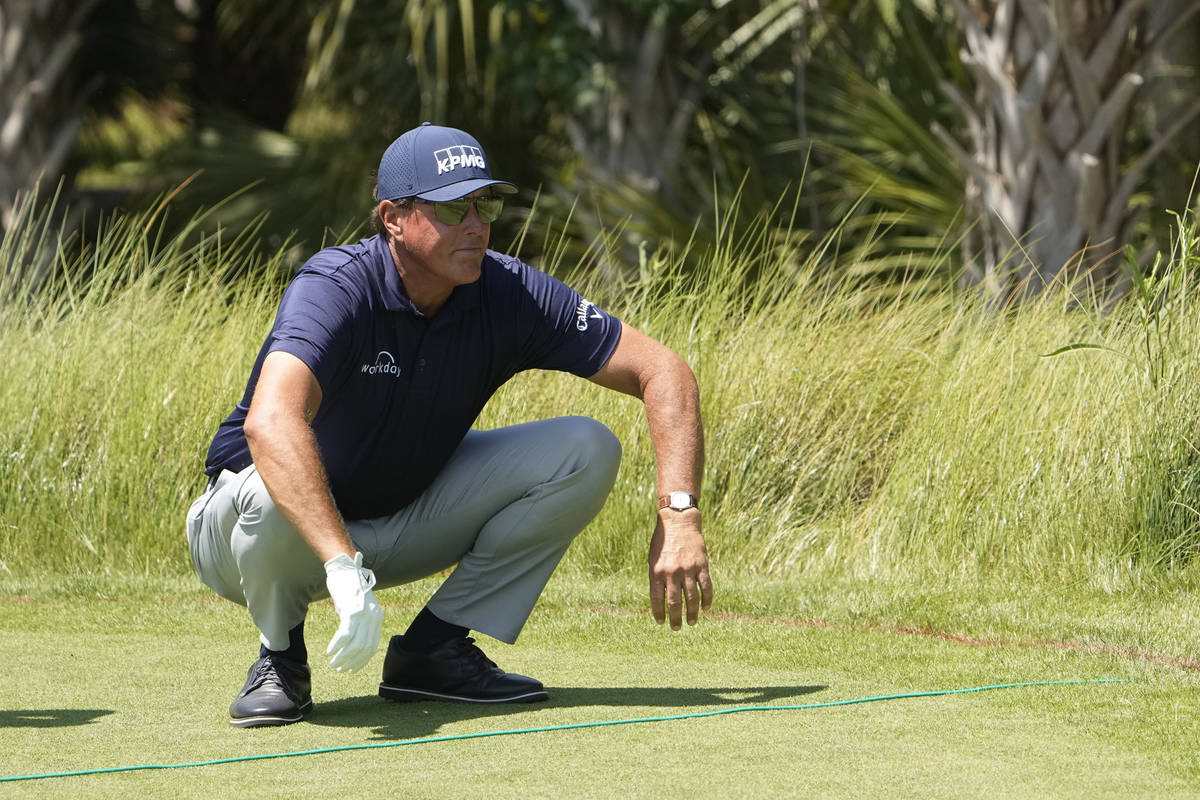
{"type": "Point", "coordinates": [115, 363]}
{"type": "Point", "coordinates": [851, 430]}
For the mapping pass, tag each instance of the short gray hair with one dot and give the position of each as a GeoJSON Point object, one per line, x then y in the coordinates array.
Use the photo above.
{"type": "Point", "coordinates": [376, 220]}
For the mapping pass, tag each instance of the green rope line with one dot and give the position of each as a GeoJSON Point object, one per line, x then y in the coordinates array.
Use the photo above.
{"type": "Point", "coordinates": [547, 728]}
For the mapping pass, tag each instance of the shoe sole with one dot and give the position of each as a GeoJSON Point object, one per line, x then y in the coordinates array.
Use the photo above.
{"type": "Point", "coordinates": [402, 695]}
{"type": "Point", "coordinates": [267, 721]}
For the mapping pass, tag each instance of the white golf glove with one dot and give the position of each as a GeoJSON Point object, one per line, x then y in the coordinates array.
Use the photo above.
{"type": "Point", "coordinates": [357, 636]}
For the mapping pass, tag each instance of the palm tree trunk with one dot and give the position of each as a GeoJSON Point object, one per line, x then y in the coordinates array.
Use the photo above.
{"type": "Point", "coordinates": [41, 94]}
{"type": "Point", "coordinates": [657, 79]}
{"type": "Point", "coordinates": [1050, 174]}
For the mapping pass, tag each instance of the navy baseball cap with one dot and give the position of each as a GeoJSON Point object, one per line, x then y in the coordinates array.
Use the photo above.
{"type": "Point", "coordinates": [435, 163]}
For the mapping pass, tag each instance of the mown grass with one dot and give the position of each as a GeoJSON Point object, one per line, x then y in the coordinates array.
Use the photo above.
{"type": "Point", "coordinates": [122, 681]}
{"type": "Point", "coordinates": [852, 432]}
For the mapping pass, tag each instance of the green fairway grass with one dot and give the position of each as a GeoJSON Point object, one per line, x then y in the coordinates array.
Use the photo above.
{"type": "Point", "coordinates": [143, 675]}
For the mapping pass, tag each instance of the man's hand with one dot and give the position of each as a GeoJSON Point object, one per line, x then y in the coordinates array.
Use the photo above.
{"type": "Point", "coordinates": [357, 637]}
{"type": "Point", "coordinates": [679, 568]}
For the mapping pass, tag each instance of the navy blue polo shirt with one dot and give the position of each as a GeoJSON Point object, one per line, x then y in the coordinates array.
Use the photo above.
{"type": "Point", "coordinates": [400, 390]}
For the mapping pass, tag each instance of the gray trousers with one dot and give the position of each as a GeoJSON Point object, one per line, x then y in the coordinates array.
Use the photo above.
{"type": "Point", "coordinates": [504, 508]}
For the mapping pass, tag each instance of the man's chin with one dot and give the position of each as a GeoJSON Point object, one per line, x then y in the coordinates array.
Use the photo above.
{"type": "Point", "coordinates": [469, 261]}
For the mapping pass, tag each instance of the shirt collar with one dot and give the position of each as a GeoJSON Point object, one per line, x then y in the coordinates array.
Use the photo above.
{"type": "Point", "coordinates": [394, 296]}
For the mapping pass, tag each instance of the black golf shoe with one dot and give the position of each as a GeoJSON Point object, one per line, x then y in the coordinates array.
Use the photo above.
{"type": "Point", "coordinates": [457, 671]}
{"type": "Point", "coordinates": [278, 691]}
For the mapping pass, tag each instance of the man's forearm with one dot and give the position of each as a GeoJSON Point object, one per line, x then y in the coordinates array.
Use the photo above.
{"type": "Point", "coordinates": [286, 457]}
{"type": "Point", "coordinates": [672, 401]}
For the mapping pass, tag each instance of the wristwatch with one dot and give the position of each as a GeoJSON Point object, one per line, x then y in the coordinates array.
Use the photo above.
{"type": "Point", "coordinates": [679, 501]}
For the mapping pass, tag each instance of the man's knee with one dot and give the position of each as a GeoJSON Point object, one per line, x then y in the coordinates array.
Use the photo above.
{"type": "Point", "coordinates": [593, 461]}
{"type": "Point", "coordinates": [597, 446]}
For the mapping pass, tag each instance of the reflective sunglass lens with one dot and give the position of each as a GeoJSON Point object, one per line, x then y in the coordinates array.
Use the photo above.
{"type": "Point", "coordinates": [452, 212]}
{"type": "Point", "coordinates": [489, 208]}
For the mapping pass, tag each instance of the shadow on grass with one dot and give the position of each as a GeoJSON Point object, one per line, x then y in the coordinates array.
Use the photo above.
{"type": "Point", "coordinates": [50, 717]}
{"type": "Point", "coordinates": [391, 720]}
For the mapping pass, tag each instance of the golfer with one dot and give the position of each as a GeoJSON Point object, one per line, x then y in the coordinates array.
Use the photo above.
{"type": "Point", "coordinates": [350, 463]}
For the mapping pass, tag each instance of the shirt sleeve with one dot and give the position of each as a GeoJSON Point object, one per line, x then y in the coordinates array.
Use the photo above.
{"type": "Point", "coordinates": [315, 323]}
{"type": "Point", "coordinates": [566, 331]}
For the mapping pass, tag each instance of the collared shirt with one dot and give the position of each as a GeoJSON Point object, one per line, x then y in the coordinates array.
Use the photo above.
{"type": "Point", "coordinates": [400, 390]}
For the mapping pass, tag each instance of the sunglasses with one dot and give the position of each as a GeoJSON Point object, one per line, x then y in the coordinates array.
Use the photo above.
{"type": "Point", "coordinates": [452, 212]}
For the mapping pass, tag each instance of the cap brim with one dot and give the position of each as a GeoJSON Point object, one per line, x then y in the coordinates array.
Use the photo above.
{"type": "Point", "coordinates": [464, 188]}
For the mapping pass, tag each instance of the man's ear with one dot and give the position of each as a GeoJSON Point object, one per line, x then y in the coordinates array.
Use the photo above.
{"type": "Point", "coordinates": [389, 214]}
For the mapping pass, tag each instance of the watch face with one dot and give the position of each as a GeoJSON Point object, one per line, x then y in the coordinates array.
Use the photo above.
{"type": "Point", "coordinates": [681, 500]}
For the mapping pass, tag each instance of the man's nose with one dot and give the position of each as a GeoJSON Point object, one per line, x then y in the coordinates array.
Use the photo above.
{"type": "Point", "coordinates": [472, 220]}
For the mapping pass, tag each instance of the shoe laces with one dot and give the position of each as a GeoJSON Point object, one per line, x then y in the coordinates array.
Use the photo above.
{"type": "Point", "coordinates": [266, 671]}
{"type": "Point", "coordinates": [470, 651]}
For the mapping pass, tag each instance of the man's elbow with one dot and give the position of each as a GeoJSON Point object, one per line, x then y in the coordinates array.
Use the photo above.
{"type": "Point", "coordinates": [682, 372]}
{"type": "Point", "coordinates": [672, 376]}
{"type": "Point", "coordinates": [264, 424]}
{"type": "Point", "coordinates": [256, 428]}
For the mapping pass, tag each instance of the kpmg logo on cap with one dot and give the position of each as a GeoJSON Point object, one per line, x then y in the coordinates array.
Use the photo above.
{"type": "Point", "coordinates": [460, 155]}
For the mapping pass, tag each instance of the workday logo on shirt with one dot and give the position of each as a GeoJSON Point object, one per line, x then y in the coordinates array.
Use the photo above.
{"type": "Point", "coordinates": [460, 155]}
{"type": "Point", "coordinates": [384, 364]}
